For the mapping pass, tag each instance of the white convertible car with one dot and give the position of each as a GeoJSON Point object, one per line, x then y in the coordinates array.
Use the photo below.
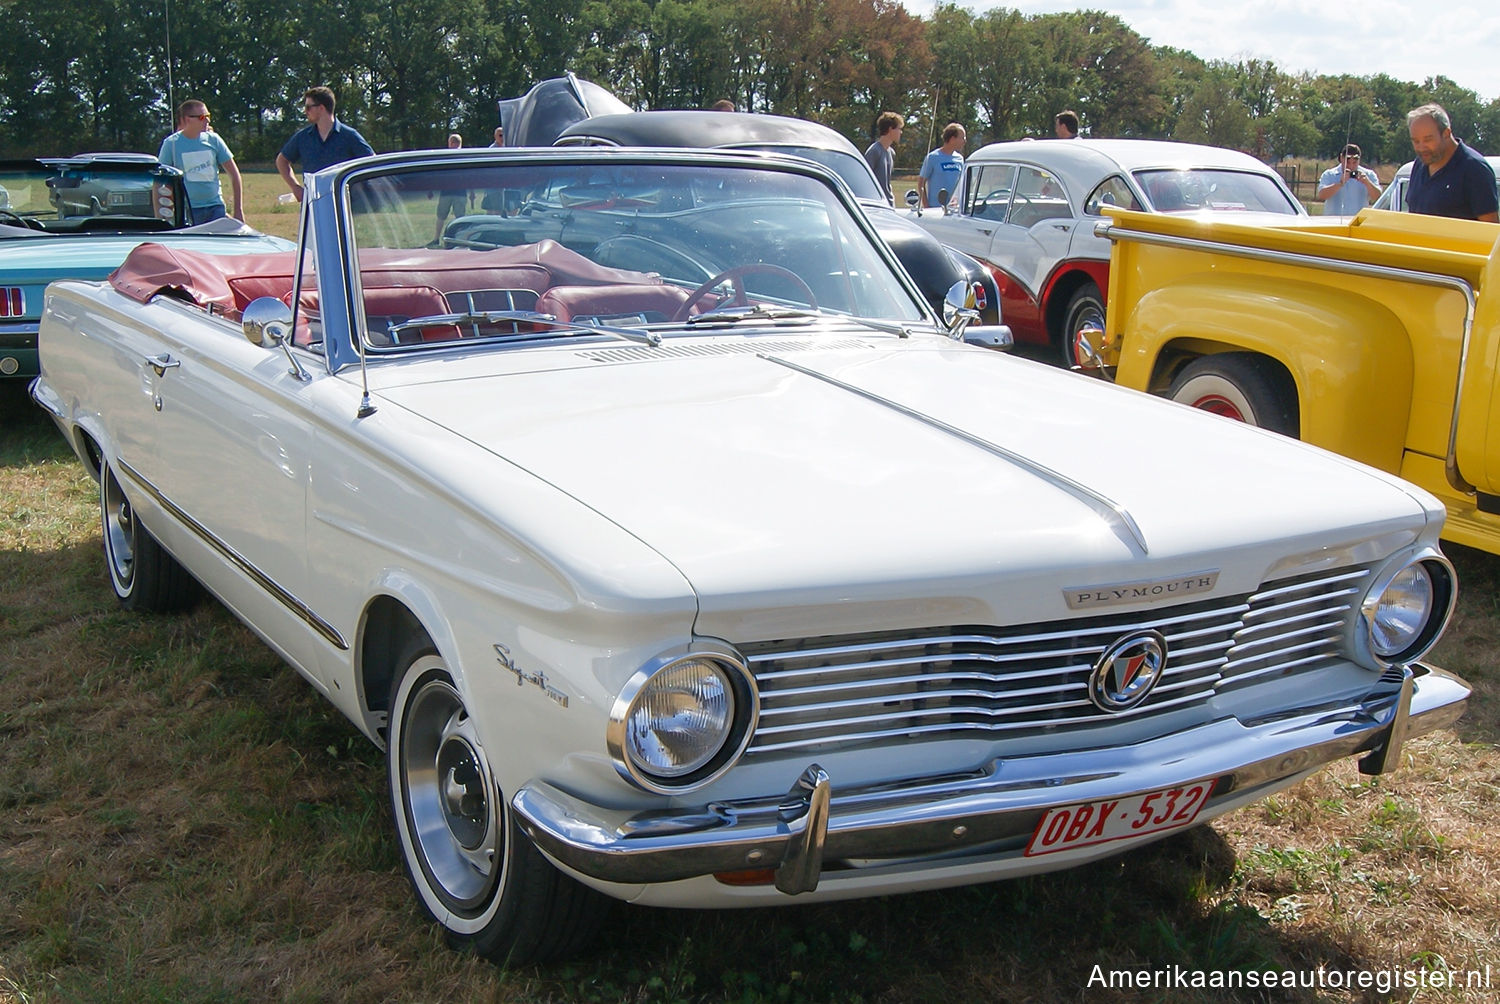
{"type": "Point", "coordinates": [673, 550]}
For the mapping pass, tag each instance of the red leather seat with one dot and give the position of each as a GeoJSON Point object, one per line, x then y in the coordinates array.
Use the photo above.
{"type": "Point", "coordinates": [657, 302]}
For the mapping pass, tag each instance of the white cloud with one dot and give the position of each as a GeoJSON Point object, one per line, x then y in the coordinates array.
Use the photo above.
{"type": "Point", "coordinates": [1459, 39]}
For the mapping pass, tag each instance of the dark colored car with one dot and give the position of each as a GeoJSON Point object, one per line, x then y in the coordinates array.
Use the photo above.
{"type": "Point", "coordinates": [934, 266]}
{"type": "Point", "coordinates": [77, 218]}
{"type": "Point", "coordinates": [540, 115]}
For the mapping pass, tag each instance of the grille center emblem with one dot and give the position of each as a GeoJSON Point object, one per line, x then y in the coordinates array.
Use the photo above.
{"type": "Point", "coordinates": [1128, 671]}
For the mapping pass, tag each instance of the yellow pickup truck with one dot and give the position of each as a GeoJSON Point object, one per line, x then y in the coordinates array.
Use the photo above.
{"type": "Point", "coordinates": [1373, 337]}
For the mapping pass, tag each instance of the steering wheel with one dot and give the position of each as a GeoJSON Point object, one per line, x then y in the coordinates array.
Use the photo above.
{"type": "Point", "coordinates": [739, 298]}
{"type": "Point", "coordinates": [21, 221]}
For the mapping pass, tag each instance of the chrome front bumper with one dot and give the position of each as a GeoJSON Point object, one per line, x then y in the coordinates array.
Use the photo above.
{"type": "Point", "coordinates": [1003, 801]}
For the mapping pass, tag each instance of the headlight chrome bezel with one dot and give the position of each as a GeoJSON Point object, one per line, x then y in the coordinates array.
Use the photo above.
{"type": "Point", "coordinates": [742, 719]}
{"type": "Point", "coordinates": [1444, 582]}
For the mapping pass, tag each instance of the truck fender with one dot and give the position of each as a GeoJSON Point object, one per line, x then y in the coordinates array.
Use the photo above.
{"type": "Point", "coordinates": [1349, 356]}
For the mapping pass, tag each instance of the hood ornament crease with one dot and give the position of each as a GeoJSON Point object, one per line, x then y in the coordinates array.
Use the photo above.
{"type": "Point", "coordinates": [1113, 513]}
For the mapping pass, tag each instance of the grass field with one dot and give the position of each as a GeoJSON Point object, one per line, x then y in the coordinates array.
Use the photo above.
{"type": "Point", "coordinates": [263, 187]}
{"type": "Point", "coordinates": [182, 819]}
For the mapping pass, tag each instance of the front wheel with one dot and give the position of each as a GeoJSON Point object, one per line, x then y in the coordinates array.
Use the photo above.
{"type": "Point", "coordinates": [1085, 313]}
{"type": "Point", "coordinates": [1241, 386]}
{"type": "Point", "coordinates": [144, 576]}
{"type": "Point", "coordinates": [472, 868]}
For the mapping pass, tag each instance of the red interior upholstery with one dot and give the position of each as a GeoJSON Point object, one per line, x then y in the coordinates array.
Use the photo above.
{"type": "Point", "coordinates": [247, 288]}
{"type": "Point", "coordinates": [568, 302]}
{"type": "Point", "coordinates": [402, 284]}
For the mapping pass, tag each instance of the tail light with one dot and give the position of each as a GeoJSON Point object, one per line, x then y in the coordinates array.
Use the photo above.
{"type": "Point", "coordinates": [12, 302]}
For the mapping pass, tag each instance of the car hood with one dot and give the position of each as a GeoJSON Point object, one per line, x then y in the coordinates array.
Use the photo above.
{"type": "Point", "coordinates": [817, 474]}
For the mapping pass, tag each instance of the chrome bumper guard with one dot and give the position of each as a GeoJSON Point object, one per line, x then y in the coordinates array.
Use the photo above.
{"type": "Point", "coordinates": [1002, 801]}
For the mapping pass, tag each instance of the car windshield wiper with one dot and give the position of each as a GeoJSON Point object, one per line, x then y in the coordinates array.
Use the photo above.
{"type": "Point", "coordinates": [792, 315]}
{"type": "Point", "coordinates": [526, 316]}
{"type": "Point", "coordinates": [759, 312]}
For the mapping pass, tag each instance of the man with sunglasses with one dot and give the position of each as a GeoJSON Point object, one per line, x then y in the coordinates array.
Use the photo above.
{"type": "Point", "coordinates": [323, 142]}
{"type": "Point", "coordinates": [198, 152]}
{"type": "Point", "coordinates": [1346, 187]}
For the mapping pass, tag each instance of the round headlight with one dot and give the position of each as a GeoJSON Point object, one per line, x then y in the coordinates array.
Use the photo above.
{"type": "Point", "coordinates": [1401, 611]}
{"type": "Point", "coordinates": [1405, 615]}
{"type": "Point", "coordinates": [679, 723]}
{"type": "Point", "coordinates": [679, 719]}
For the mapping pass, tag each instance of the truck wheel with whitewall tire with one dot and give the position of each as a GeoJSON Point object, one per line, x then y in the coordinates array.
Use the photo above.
{"type": "Point", "coordinates": [1242, 386]}
{"type": "Point", "coordinates": [472, 868]}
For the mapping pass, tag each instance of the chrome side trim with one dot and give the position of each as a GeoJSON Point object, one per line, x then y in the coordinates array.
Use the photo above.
{"type": "Point", "coordinates": [1456, 480]}
{"type": "Point", "coordinates": [1000, 803]}
{"type": "Point", "coordinates": [1113, 512]}
{"type": "Point", "coordinates": [286, 599]}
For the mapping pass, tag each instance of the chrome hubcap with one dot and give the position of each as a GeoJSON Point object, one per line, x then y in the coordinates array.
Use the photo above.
{"type": "Point", "coordinates": [451, 801]}
{"type": "Point", "coordinates": [119, 530]}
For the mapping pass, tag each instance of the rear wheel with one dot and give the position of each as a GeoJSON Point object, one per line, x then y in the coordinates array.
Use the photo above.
{"type": "Point", "coordinates": [1085, 311]}
{"type": "Point", "coordinates": [1241, 386]}
{"type": "Point", "coordinates": [144, 576]}
{"type": "Point", "coordinates": [472, 868]}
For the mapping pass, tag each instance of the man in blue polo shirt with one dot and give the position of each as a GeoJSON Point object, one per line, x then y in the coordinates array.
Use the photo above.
{"type": "Point", "coordinates": [1448, 178]}
{"type": "Point", "coordinates": [323, 142]}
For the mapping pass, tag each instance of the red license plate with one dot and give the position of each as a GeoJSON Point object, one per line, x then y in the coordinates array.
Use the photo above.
{"type": "Point", "coordinates": [1087, 823]}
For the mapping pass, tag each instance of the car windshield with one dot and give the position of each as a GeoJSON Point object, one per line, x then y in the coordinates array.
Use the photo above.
{"type": "Point", "coordinates": [1215, 190]}
{"type": "Point", "coordinates": [505, 248]}
{"type": "Point", "coordinates": [83, 197]}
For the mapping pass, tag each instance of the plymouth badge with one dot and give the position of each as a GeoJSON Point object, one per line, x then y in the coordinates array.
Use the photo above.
{"type": "Point", "coordinates": [1128, 671]}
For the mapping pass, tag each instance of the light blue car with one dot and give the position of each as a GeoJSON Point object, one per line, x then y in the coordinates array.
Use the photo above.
{"type": "Point", "coordinates": [77, 218]}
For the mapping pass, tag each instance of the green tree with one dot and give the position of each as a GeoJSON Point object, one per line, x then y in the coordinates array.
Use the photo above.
{"type": "Point", "coordinates": [1011, 62]}
{"type": "Point", "coordinates": [1213, 114]}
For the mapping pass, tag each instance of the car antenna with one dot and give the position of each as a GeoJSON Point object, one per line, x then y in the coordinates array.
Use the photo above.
{"type": "Point", "coordinates": [366, 406]}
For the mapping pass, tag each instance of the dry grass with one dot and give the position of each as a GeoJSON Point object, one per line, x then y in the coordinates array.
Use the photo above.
{"type": "Point", "coordinates": [182, 819]}
{"type": "Point", "coordinates": [263, 187]}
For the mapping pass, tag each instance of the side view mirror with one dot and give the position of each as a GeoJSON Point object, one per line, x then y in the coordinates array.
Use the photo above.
{"type": "Point", "coordinates": [267, 321]}
{"type": "Point", "coordinates": [959, 314]}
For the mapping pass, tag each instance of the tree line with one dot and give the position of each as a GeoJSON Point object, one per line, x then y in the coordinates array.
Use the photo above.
{"type": "Point", "coordinates": [103, 74]}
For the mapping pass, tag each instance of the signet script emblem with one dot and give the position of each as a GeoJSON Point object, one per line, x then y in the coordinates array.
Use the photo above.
{"type": "Point", "coordinates": [1128, 671]}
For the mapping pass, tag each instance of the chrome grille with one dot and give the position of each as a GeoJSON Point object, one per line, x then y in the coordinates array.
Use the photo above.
{"type": "Point", "coordinates": [818, 694]}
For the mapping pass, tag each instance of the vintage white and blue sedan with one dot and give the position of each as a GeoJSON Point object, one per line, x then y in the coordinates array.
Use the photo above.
{"type": "Point", "coordinates": [674, 551]}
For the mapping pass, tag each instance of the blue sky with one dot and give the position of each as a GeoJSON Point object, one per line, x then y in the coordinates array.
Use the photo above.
{"type": "Point", "coordinates": [1407, 39]}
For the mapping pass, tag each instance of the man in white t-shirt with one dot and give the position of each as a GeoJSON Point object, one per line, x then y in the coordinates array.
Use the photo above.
{"type": "Point", "coordinates": [198, 152]}
{"type": "Point", "coordinates": [943, 168]}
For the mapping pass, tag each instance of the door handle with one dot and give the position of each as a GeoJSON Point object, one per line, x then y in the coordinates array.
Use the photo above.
{"type": "Point", "coordinates": [162, 363]}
